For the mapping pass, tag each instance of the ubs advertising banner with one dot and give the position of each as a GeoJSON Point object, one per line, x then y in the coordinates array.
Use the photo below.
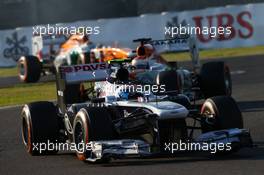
{"type": "Point", "coordinates": [222, 27]}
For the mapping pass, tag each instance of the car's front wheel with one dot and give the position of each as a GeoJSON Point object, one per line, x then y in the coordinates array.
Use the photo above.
{"type": "Point", "coordinates": [220, 112]}
{"type": "Point", "coordinates": [91, 124]}
{"type": "Point", "coordinates": [40, 128]}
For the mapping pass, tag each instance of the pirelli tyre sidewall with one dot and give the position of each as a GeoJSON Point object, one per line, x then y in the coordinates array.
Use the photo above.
{"type": "Point", "coordinates": [39, 126]}
{"type": "Point", "coordinates": [220, 112]}
{"type": "Point", "coordinates": [80, 132]}
{"type": "Point", "coordinates": [91, 124]}
{"type": "Point", "coordinates": [29, 69]}
{"type": "Point", "coordinates": [27, 129]}
{"type": "Point", "coordinates": [225, 115]}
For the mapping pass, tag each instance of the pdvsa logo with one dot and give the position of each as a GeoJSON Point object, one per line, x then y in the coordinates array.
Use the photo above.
{"type": "Point", "coordinates": [84, 67]}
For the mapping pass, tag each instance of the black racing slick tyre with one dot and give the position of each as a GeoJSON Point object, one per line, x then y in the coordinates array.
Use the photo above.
{"type": "Point", "coordinates": [220, 112]}
{"type": "Point", "coordinates": [91, 124]}
{"type": "Point", "coordinates": [170, 80]}
{"type": "Point", "coordinates": [215, 79]}
{"type": "Point", "coordinates": [40, 128]}
{"type": "Point", "coordinates": [29, 69]}
{"type": "Point", "coordinates": [171, 131]}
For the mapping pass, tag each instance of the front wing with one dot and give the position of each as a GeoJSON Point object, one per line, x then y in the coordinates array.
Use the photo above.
{"type": "Point", "coordinates": [128, 148]}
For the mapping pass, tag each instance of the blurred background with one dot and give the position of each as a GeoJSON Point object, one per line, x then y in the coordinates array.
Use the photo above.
{"type": "Point", "coordinates": [122, 21]}
{"type": "Point", "coordinates": [17, 13]}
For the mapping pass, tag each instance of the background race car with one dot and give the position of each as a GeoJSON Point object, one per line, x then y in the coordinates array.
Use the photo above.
{"type": "Point", "coordinates": [51, 51]}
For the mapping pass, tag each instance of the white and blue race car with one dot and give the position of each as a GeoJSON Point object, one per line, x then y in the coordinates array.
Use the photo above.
{"type": "Point", "coordinates": [124, 123]}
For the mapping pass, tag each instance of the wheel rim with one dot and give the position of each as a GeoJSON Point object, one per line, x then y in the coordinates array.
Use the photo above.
{"type": "Point", "coordinates": [210, 118]}
{"type": "Point", "coordinates": [22, 69]}
{"type": "Point", "coordinates": [79, 135]}
{"type": "Point", "coordinates": [25, 131]}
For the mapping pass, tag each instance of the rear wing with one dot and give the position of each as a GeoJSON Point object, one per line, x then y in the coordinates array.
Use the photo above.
{"type": "Point", "coordinates": [69, 81]}
{"type": "Point", "coordinates": [40, 42]}
{"type": "Point", "coordinates": [84, 72]}
{"type": "Point", "coordinates": [170, 45]}
{"type": "Point", "coordinates": [184, 44]}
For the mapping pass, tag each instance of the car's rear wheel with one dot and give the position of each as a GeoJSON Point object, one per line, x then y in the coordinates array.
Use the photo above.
{"type": "Point", "coordinates": [215, 79]}
{"type": "Point", "coordinates": [170, 80]}
{"type": "Point", "coordinates": [29, 69]}
{"type": "Point", "coordinates": [91, 124]}
{"type": "Point", "coordinates": [40, 128]}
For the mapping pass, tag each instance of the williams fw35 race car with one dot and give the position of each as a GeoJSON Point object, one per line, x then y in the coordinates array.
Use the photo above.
{"type": "Point", "coordinates": [130, 123]}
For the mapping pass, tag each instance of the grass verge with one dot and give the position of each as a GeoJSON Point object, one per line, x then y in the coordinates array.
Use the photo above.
{"type": "Point", "coordinates": [25, 93]}
{"type": "Point", "coordinates": [8, 72]}
{"type": "Point", "coordinates": [217, 53]}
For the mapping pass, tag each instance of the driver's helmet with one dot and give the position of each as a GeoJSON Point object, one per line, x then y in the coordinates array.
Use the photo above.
{"type": "Point", "coordinates": [141, 51]}
{"type": "Point", "coordinates": [143, 54]}
{"type": "Point", "coordinates": [149, 50]}
{"type": "Point", "coordinates": [145, 51]}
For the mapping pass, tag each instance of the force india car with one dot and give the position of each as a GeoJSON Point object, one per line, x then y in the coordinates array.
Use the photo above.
{"type": "Point", "coordinates": [52, 51]}
{"type": "Point", "coordinates": [135, 124]}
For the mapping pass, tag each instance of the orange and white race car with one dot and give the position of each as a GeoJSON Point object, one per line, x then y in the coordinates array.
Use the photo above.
{"type": "Point", "coordinates": [106, 54]}
{"type": "Point", "coordinates": [51, 51]}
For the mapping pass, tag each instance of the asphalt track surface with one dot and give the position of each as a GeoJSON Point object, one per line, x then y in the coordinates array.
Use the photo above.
{"type": "Point", "coordinates": [248, 90]}
{"type": "Point", "coordinates": [11, 81]}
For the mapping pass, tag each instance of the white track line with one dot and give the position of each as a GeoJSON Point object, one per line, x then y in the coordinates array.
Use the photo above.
{"type": "Point", "coordinates": [10, 107]}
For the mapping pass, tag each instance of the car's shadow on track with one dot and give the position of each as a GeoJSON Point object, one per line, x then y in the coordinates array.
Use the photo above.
{"type": "Point", "coordinates": [255, 153]}
{"type": "Point", "coordinates": [246, 154]}
{"type": "Point", "coordinates": [251, 106]}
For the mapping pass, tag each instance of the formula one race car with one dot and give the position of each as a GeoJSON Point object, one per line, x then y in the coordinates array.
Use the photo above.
{"type": "Point", "coordinates": [213, 79]}
{"type": "Point", "coordinates": [51, 51]}
{"type": "Point", "coordinates": [133, 124]}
